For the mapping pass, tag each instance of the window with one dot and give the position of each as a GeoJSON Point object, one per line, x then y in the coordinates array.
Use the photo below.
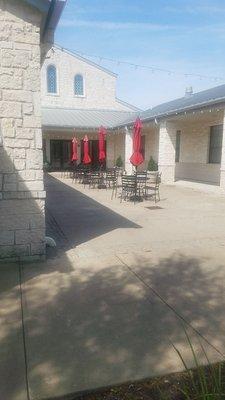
{"type": "Point", "coordinates": [51, 79]}
{"type": "Point", "coordinates": [215, 144]}
{"type": "Point", "coordinates": [143, 146]}
{"type": "Point", "coordinates": [78, 85]}
{"type": "Point", "coordinates": [177, 152]}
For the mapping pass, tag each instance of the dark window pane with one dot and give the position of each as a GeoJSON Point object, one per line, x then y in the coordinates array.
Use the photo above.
{"type": "Point", "coordinates": [177, 153]}
{"type": "Point", "coordinates": [51, 79]}
{"type": "Point", "coordinates": [78, 85]}
{"type": "Point", "coordinates": [215, 145]}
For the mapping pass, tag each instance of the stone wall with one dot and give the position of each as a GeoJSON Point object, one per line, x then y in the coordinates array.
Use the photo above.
{"type": "Point", "coordinates": [22, 200]}
{"type": "Point", "coordinates": [99, 85]}
{"type": "Point", "coordinates": [194, 148]}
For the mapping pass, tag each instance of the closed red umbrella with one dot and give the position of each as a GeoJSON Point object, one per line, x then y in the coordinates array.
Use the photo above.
{"type": "Point", "coordinates": [86, 158]}
{"type": "Point", "coordinates": [101, 144]}
{"type": "Point", "coordinates": [137, 158]}
{"type": "Point", "coordinates": [74, 156]}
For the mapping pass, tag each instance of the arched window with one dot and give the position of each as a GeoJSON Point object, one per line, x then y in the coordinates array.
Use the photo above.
{"type": "Point", "coordinates": [51, 79]}
{"type": "Point", "coordinates": [78, 85]}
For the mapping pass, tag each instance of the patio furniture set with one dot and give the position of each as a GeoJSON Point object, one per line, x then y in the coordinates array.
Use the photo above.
{"type": "Point", "coordinates": [136, 187]}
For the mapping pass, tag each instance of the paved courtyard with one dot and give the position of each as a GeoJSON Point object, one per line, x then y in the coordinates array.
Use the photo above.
{"type": "Point", "coordinates": [105, 307]}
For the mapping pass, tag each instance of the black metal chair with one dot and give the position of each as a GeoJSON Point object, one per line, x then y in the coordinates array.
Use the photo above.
{"type": "Point", "coordinates": [141, 183]}
{"type": "Point", "coordinates": [152, 185]}
{"type": "Point", "coordinates": [129, 187]}
{"type": "Point", "coordinates": [94, 179]}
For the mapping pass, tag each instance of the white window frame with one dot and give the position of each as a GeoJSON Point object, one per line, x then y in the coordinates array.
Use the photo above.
{"type": "Point", "coordinates": [84, 88]}
{"type": "Point", "coordinates": [57, 80]}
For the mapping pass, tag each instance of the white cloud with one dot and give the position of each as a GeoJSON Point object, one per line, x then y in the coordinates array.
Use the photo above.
{"type": "Point", "coordinates": [108, 25]}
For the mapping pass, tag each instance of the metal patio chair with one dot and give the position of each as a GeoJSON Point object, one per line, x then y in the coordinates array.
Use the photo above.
{"type": "Point", "coordinates": [152, 185]}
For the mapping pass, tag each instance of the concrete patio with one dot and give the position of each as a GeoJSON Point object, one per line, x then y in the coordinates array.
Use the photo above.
{"type": "Point", "coordinates": [106, 306]}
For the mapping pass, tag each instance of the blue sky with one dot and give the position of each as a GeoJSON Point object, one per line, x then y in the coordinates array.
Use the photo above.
{"type": "Point", "coordinates": [183, 36]}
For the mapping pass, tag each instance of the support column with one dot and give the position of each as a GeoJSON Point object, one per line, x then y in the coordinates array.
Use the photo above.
{"type": "Point", "coordinates": [128, 150]}
{"type": "Point", "coordinates": [222, 166]}
{"type": "Point", "coordinates": [167, 146]}
{"type": "Point", "coordinates": [110, 153]}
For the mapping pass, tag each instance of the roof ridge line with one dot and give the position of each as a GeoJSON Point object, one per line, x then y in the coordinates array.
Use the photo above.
{"type": "Point", "coordinates": [74, 54]}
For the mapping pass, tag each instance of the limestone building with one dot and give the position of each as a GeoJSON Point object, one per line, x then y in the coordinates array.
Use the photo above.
{"type": "Point", "coordinates": [26, 27]}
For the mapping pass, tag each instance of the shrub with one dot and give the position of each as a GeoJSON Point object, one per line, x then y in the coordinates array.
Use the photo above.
{"type": "Point", "coordinates": [119, 162]}
{"type": "Point", "coordinates": [152, 165]}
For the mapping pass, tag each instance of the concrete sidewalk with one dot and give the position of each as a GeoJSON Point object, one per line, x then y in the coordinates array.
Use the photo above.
{"type": "Point", "coordinates": [107, 306]}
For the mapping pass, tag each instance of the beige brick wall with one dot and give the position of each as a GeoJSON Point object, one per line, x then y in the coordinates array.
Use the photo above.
{"type": "Point", "coordinates": [21, 177]}
{"type": "Point", "coordinates": [99, 86]}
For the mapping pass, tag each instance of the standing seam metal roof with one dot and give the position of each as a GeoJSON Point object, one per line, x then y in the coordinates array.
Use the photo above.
{"type": "Point", "coordinates": [113, 119]}
{"type": "Point", "coordinates": [80, 118]}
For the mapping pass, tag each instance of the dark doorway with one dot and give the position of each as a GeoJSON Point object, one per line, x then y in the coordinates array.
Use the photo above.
{"type": "Point", "coordinates": [60, 153]}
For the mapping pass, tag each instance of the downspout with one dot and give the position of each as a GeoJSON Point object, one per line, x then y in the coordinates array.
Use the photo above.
{"type": "Point", "coordinates": [48, 18]}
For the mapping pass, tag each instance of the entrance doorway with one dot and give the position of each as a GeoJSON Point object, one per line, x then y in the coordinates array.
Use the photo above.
{"type": "Point", "coordinates": [60, 151]}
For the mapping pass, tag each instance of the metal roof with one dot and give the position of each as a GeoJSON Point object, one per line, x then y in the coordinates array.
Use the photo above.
{"type": "Point", "coordinates": [81, 118]}
{"type": "Point", "coordinates": [196, 100]}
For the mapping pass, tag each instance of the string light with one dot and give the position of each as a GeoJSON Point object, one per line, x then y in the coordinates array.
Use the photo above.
{"type": "Point", "coordinates": [152, 68]}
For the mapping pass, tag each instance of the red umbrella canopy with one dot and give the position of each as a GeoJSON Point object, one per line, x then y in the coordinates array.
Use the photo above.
{"type": "Point", "coordinates": [101, 144]}
{"type": "Point", "coordinates": [137, 158]}
{"type": "Point", "coordinates": [74, 156]}
{"type": "Point", "coordinates": [86, 158]}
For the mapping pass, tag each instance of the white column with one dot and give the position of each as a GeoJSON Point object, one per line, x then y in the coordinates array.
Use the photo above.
{"type": "Point", "coordinates": [110, 150]}
{"type": "Point", "coordinates": [48, 152]}
{"type": "Point", "coordinates": [167, 146]}
{"type": "Point", "coordinates": [222, 166]}
{"type": "Point", "coordinates": [128, 150]}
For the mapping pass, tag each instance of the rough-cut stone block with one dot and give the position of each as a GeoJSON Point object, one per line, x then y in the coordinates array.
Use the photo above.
{"type": "Point", "coordinates": [14, 251]}
{"type": "Point", "coordinates": [19, 153]}
{"type": "Point", "coordinates": [37, 221]}
{"type": "Point", "coordinates": [10, 79]}
{"type": "Point", "coordinates": [10, 109]}
{"type": "Point", "coordinates": [30, 185]}
{"type": "Point", "coordinates": [10, 187]}
{"type": "Point", "coordinates": [17, 95]}
{"type": "Point", "coordinates": [38, 248]}
{"type": "Point", "coordinates": [32, 79]}
{"type": "Point", "coordinates": [10, 178]}
{"type": "Point", "coordinates": [39, 175]}
{"type": "Point", "coordinates": [14, 143]}
{"type": "Point", "coordinates": [34, 159]}
{"type": "Point", "coordinates": [27, 175]}
{"type": "Point", "coordinates": [29, 236]}
{"type": "Point", "coordinates": [19, 165]}
{"type": "Point", "coordinates": [27, 108]}
{"type": "Point", "coordinates": [13, 222]}
{"type": "Point", "coordinates": [7, 125]}
{"type": "Point", "coordinates": [6, 237]}
{"type": "Point", "coordinates": [25, 133]}
{"type": "Point", "coordinates": [38, 139]}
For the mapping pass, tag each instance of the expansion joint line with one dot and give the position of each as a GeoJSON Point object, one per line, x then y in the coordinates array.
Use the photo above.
{"type": "Point", "coordinates": [178, 315]}
{"type": "Point", "coordinates": [23, 332]}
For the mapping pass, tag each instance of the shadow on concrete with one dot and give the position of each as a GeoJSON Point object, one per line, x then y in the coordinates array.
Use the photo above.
{"type": "Point", "coordinates": [73, 218]}
{"type": "Point", "coordinates": [96, 324]}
